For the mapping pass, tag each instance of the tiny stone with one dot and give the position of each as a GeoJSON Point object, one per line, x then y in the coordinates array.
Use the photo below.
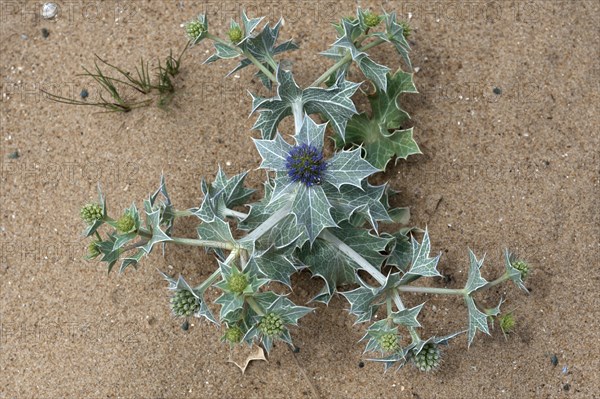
{"type": "Point", "coordinates": [24, 36]}
{"type": "Point", "coordinates": [567, 387]}
{"type": "Point", "coordinates": [554, 360]}
{"type": "Point", "coordinates": [45, 33]}
{"type": "Point", "coordinates": [296, 349]}
{"type": "Point", "coordinates": [14, 155]}
{"type": "Point", "coordinates": [497, 90]}
{"type": "Point", "coordinates": [361, 365]}
{"type": "Point", "coordinates": [84, 93]}
{"type": "Point", "coordinates": [49, 10]}
{"type": "Point", "coordinates": [185, 325]}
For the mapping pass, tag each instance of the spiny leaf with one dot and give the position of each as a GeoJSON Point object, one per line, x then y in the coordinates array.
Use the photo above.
{"type": "Point", "coordinates": [474, 280]}
{"type": "Point", "coordinates": [348, 167]}
{"type": "Point", "coordinates": [422, 264]}
{"type": "Point", "coordinates": [477, 320]}
{"type": "Point", "coordinates": [263, 48]}
{"type": "Point", "coordinates": [334, 104]}
{"type": "Point", "coordinates": [312, 210]}
{"type": "Point", "coordinates": [379, 134]}
{"type": "Point", "coordinates": [394, 33]}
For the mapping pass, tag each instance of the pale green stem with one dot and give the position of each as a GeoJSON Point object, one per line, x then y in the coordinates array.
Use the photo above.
{"type": "Point", "coordinates": [234, 214]}
{"type": "Point", "coordinates": [248, 55]}
{"type": "Point", "coordinates": [495, 282]}
{"type": "Point", "coordinates": [345, 59]}
{"type": "Point", "coordinates": [202, 243]}
{"type": "Point", "coordinates": [430, 290]}
{"type": "Point", "coordinates": [268, 224]}
{"type": "Point", "coordinates": [260, 66]}
{"type": "Point", "coordinates": [298, 111]}
{"type": "Point", "coordinates": [255, 306]}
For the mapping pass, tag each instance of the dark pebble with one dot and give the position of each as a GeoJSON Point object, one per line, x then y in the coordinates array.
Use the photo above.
{"type": "Point", "coordinates": [45, 33]}
{"type": "Point", "coordinates": [361, 364]}
{"type": "Point", "coordinates": [14, 155]}
{"type": "Point", "coordinates": [554, 360]}
{"type": "Point", "coordinates": [296, 349]}
{"type": "Point", "coordinates": [185, 326]}
{"type": "Point", "coordinates": [497, 90]}
{"type": "Point", "coordinates": [567, 387]}
{"type": "Point", "coordinates": [84, 93]}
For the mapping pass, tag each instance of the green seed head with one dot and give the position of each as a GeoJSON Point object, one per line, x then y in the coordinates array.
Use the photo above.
{"type": "Point", "coordinates": [372, 20]}
{"type": "Point", "coordinates": [389, 342]}
{"type": "Point", "coordinates": [507, 323]}
{"type": "Point", "coordinates": [271, 325]}
{"type": "Point", "coordinates": [90, 213]}
{"type": "Point", "coordinates": [235, 34]}
{"type": "Point", "coordinates": [184, 303]}
{"type": "Point", "coordinates": [237, 283]}
{"type": "Point", "coordinates": [126, 223]}
{"type": "Point", "coordinates": [522, 267]}
{"type": "Point", "coordinates": [406, 30]}
{"type": "Point", "coordinates": [429, 357]}
{"type": "Point", "coordinates": [194, 29]}
{"type": "Point", "coordinates": [93, 249]}
{"type": "Point", "coordinates": [233, 334]}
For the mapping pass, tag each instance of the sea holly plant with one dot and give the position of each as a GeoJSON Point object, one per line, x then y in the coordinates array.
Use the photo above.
{"type": "Point", "coordinates": [319, 211]}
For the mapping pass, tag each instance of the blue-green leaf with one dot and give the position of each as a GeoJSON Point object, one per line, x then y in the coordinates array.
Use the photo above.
{"type": "Point", "coordinates": [348, 167]}
{"type": "Point", "coordinates": [477, 320]}
{"type": "Point", "coordinates": [312, 210]}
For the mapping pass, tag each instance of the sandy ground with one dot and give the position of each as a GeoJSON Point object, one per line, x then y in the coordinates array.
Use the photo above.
{"type": "Point", "coordinates": [517, 169]}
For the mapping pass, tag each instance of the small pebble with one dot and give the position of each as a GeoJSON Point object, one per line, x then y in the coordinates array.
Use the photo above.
{"type": "Point", "coordinates": [14, 155]}
{"type": "Point", "coordinates": [497, 90]}
{"type": "Point", "coordinates": [567, 386]}
{"type": "Point", "coordinates": [24, 36]}
{"type": "Point", "coordinates": [185, 326]}
{"type": "Point", "coordinates": [296, 349]}
{"type": "Point", "coordinates": [84, 93]}
{"type": "Point", "coordinates": [554, 360]}
{"type": "Point", "coordinates": [361, 365]}
{"type": "Point", "coordinates": [45, 33]}
{"type": "Point", "coordinates": [49, 10]}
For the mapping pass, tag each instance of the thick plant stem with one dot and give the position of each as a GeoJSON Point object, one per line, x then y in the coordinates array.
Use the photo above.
{"type": "Point", "coordinates": [202, 243]}
{"type": "Point", "coordinates": [430, 290]}
{"type": "Point", "coordinates": [260, 66]}
{"type": "Point", "coordinates": [345, 59]}
{"type": "Point", "coordinates": [248, 55]}
{"type": "Point", "coordinates": [255, 306]}
{"type": "Point", "coordinates": [355, 256]}
{"type": "Point", "coordinates": [298, 111]}
{"type": "Point", "coordinates": [268, 224]}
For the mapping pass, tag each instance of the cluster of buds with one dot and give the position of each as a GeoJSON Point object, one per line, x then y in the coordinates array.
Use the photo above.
{"type": "Point", "coordinates": [91, 213]}
{"type": "Point", "coordinates": [184, 303]}
{"type": "Point", "coordinates": [428, 358]}
{"type": "Point", "coordinates": [271, 325]}
{"type": "Point", "coordinates": [389, 342]}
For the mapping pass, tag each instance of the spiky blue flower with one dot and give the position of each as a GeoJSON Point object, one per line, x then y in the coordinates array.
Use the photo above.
{"type": "Point", "coordinates": [305, 177]}
{"type": "Point", "coordinates": [305, 164]}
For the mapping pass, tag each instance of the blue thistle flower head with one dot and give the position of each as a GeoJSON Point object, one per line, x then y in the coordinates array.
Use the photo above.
{"type": "Point", "coordinates": [305, 164]}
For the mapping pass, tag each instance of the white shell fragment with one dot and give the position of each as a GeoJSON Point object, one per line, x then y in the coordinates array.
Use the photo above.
{"type": "Point", "coordinates": [49, 10]}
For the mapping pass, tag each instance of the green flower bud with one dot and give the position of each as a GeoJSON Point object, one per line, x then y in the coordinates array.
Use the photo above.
{"type": "Point", "coordinates": [184, 303]}
{"type": "Point", "coordinates": [507, 323]}
{"type": "Point", "coordinates": [194, 29]}
{"type": "Point", "coordinates": [233, 334]}
{"type": "Point", "coordinates": [371, 20]}
{"type": "Point", "coordinates": [522, 267]}
{"type": "Point", "coordinates": [126, 223]}
{"type": "Point", "coordinates": [389, 342]}
{"type": "Point", "coordinates": [93, 249]}
{"type": "Point", "coordinates": [271, 325]}
{"type": "Point", "coordinates": [235, 34]}
{"type": "Point", "coordinates": [90, 213]}
{"type": "Point", "coordinates": [429, 357]}
{"type": "Point", "coordinates": [406, 30]}
{"type": "Point", "coordinates": [237, 283]}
